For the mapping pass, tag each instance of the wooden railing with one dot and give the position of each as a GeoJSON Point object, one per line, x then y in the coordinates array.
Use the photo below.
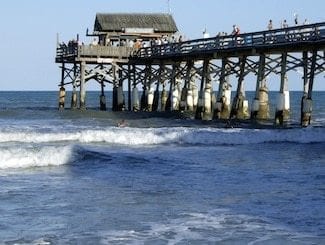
{"type": "Point", "coordinates": [104, 51]}
{"type": "Point", "coordinates": [271, 38]}
{"type": "Point", "coordinates": [79, 51]}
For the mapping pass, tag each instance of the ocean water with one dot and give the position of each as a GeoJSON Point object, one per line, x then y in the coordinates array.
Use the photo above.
{"type": "Point", "coordinates": [71, 177]}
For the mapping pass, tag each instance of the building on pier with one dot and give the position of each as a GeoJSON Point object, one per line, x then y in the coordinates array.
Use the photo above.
{"type": "Point", "coordinates": [179, 76]}
{"type": "Point", "coordinates": [116, 38]}
{"type": "Point", "coordinates": [118, 29]}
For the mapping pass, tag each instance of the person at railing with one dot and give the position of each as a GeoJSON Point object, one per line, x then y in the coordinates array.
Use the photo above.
{"type": "Point", "coordinates": [285, 24]}
{"type": "Point", "coordinates": [235, 33]}
{"type": "Point", "coordinates": [205, 33]}
{"type": "Point", "coordinates": [270, 36]}
{"type": "Point", "coordinates": [137, 44]}
{"type": "Point", "coordinates": [61, 49]}
{"type": "Point", "coordinates": [235, 30]}
{"type": "Point", "coordinates": [130, 43]}
{"type": "Point", "coordinates": [296, 19]}
{"type": "Point", "coordinates": [270, 25]}
{"type": "Point", "coordinates": [172, 39]}
{"type": "Point", "coordinates": [72, 47]}
{"type": "Point", "coordinates": [94, 42]}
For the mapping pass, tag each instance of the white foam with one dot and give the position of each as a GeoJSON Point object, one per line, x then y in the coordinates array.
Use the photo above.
{"type": "Point", "coordinates": [176, 135]}
{"type": "Point", "coordinates": [215, 226]}
{"type": "Point", "coordinates": [25, 157]}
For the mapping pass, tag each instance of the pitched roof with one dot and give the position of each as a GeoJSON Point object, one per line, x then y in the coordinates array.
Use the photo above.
{"type": "Point", "coordinates": [117, 22]}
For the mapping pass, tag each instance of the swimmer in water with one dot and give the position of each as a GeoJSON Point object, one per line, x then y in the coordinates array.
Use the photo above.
{"type": "Point", "coordinates": [122, 123]}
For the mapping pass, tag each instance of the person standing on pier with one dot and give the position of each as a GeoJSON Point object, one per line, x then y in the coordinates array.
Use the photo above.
{"type": "Point", "coordinates": [270, 25]}
{"type": "Point", "coordinates": [235, 33]}
{"type": "Point", "coordinates": [285, 24]}
{"type": "Point", "coordinates": [296, 18]}
{"type": "Point", "coordinates": [235, 30]}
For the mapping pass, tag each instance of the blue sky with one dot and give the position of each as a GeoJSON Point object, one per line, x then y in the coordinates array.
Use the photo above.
{"type": "Point", "coordinates": [29, 28]}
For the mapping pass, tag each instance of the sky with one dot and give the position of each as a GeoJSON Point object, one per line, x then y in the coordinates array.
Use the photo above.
{"type": "Point", "coordinates": [29, 29]}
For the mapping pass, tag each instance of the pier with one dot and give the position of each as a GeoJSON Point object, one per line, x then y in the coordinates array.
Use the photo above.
{"type": "Point", "coordinates": [150, 68]}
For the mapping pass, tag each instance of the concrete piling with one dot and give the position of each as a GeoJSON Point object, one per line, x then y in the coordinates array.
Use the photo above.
{"type": "Point", "coordinates": [263, 109]}
{"type": "Point", "coordinates": [222, 110]}
{"type": "Point", "coordinates": [61, 98]}
{"type": "Point", "coordinates": [155, 103]}
{"type": "Point", "coordinates": [307, 103]}
{"type": "Point", "coordinates": [164, 97]}
{"type": "Point", "coordinates": [102, 98]}
{"type": "Point", "coordinates": [207, 115]}
{"type": "Point", "coordinates": [200, 105]}
{"type": "Point", "coordinates": [283, 100]}
{"type": "Point", "coordinates": [74, 97]}
{"type": "Point", "coordinates": [82, 94]}
{"type": "Point", "coordinates": [189, 99]}
{"type": "Point", "coordinates": [135, 99]}
{"type": "Point", "coordinates": [239, 109]}
{"type": "Point", "coordinates": [175, 97]}
{"type": "Point", "coordinates": [150, 98]}
{"type": "Point", "coordinates": [260, 102]}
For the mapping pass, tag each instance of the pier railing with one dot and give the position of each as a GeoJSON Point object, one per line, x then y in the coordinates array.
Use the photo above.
{"type": "Point", "coordinates": [271, 38]}
{"type": "Point", "coordinates": [104, 51]}
{"type": "Point", "coordinates": [74, 51]}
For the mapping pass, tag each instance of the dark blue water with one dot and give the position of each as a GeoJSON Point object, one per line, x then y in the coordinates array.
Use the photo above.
{"type": "Point", "coordinates": [75, 178]}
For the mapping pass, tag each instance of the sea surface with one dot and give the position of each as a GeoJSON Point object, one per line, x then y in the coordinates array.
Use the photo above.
{"type": "Point", "coordinates": [74, 177]}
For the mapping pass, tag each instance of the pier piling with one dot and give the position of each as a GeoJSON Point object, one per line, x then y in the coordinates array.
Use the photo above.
{"type": "Point", "coordinates": [82, 94]}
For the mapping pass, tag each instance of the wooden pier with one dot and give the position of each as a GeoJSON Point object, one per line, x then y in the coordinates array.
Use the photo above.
{"type": "Point", "coordinates": [142, 57]}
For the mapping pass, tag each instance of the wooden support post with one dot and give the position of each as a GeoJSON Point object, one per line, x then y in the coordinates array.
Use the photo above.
{"type": "Point", "coordinates": [102, 98]}
{"type": "Point", "coordinates": [283, 104]}
{"type": "Point", "coordinates": [62, 89]}
{"type": "Point", "coordinates": [150, 91]}
{"type": "Point", "coordinates": [307, 101]}
{"type": "Point", "coordinates": [207, 114]}
{"type": "Point", "coordinates": [175, 95]}
{"type": "Point", "coordinates": [164, 98]}
{"type": "Point", "coordinates": [187, 96]}
{"type": "Point", "coordinates": [305, 85]}
{"type": "Point", "coordinates": [82, 94]}
{"type": "Point", "coordinates": [129, 88]}
{"type": "Point", "coordinates": [144, 99]}
{"type": "Point", "coordinates": [74, 102]}
{"type": "Point", "coordinates": [260, 107]}
{"type": "Point", "coordinates": [135, 93]}
{"type": "Point", "coordinates": [239, 108]}
{"type": "Point", "coordinates": [120, 93]}
{"type": "Point", "coordinates": [171, 85]}
{"type": "Point", "coordinates": [222, 81]}
{"type": "Point", "coordinates": [114, 99]}
{"type": "Point", "coordinates": [200, 108]}
{"type": "Point", "coordinates": [155, 104]}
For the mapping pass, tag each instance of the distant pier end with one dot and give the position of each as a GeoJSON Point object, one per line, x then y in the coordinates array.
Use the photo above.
{"type": "Point", "coordinates": [162, 72]}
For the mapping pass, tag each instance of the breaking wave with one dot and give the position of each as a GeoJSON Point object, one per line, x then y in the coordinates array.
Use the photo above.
{"type": "Point", "coordinates": [35, 156]}
{"type": "Point", "coordinates": [174, 135]}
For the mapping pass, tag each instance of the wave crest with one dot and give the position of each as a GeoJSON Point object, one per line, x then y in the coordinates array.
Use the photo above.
{"type": "Point", "coordinates": [20, 157]}
{"type": "Point", "coordinates": [176, 135]}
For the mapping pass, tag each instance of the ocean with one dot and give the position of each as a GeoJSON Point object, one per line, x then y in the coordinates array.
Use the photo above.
{"type": "Point", "coordinates": [74, 177]}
